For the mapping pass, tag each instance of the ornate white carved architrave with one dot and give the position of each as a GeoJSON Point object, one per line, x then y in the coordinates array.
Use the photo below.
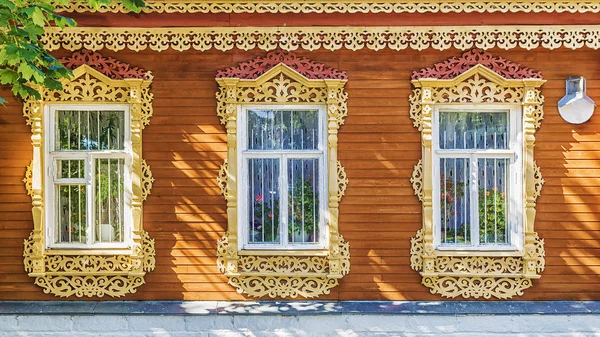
{"type": "Point", "coordinates": [282, 78]}
{"type": "Point", "coordinates": [476, 77]}
{"type": "Point", "coordinates": [80, 272]}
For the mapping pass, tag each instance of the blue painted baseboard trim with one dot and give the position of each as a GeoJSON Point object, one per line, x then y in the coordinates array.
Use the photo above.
{"type": "Point", "coordinates": [293, 308]}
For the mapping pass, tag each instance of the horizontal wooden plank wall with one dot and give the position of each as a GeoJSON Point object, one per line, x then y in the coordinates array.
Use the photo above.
{"type": "Point", "coordinates": [185, 145]}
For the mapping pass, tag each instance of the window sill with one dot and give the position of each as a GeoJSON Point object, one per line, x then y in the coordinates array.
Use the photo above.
{"type": "Point", "coordinates": [290, 252]}
{"type": "Point", "coordinates": [83, 251]}
{"type": "Point", "coordinates": [482, 275]}
{"type": "Point", "coordinates": [447, 251]}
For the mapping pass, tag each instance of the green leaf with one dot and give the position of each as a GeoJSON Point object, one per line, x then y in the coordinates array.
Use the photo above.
{"type": "Point", "coordinates": [30, 72]}
{"type": "Point", "coordinates": [38, 17]}
{"type": "Point", "coordinates": [8, 4]}
{"type": "Point", "coordinates": [23, 59]}
{"type": "Point", "coordinates": [8, 76]}
{"type": "Point", "coordinates": [2, 101]}
{"type": "Point", "coordinates": [52, 84]}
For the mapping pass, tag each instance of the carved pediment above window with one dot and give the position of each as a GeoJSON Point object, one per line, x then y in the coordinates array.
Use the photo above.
{"type": "Point", "coordinates": [455, 66]}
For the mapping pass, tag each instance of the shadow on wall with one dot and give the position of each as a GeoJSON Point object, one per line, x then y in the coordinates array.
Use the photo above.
{"type": "Point", "coordinates": [568, 211]}
{"type": "Point", "coordinates": [185, 213]}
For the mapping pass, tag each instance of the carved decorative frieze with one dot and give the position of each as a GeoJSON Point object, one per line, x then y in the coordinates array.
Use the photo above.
{"type": "Point", "coordinates": [90, 275]}
{"type": "Point", "coordinates": [477, 89]}
{"type": "Point", "coordinates": [255, 68]}
{"type": "Point", "coordinates": [329, 38]}
{"type": "Point", "coordinates": [345, 6]}
{"type": "Point", "coordinates": [82, 272]}
{"type": "Point", "coordinates": [477, 286]}
{"type": "Point", "coordinates": [455, 66]}
{"type": "Point", "coordinates": [476, 77]}
{"type": "Point", "coordinates": [287, 79]}
{"type": "Point", "coordinates": [107, 66]}
{"type": "Point", "coordinates": [283, 276]}
{"type": "Point", "coordinates": [475, 276]}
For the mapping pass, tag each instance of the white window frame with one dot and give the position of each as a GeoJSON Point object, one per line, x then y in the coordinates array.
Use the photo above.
{"type": "Point", "coordinates": [242, 158]}
{"type": "Point", "coordinates": [50, 157]}
{"type": "Point", "coordinates": [515, 190]}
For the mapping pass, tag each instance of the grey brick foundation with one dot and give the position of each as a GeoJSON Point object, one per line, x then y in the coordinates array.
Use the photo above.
{"type": "Point", "coordinates": [306, 319]}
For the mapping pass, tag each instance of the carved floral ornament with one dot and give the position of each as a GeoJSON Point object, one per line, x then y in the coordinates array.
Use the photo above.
{"type": "Point", "coordinates": [476, 77]}
{"type": "Point", "coordinates": [329, 38]}
{"type": "Point", "coordinates": [287, 79]}
{"type": "Point", "coordinates": [346, 6]}
{"type": "Point", "coordinates": [77, 272]}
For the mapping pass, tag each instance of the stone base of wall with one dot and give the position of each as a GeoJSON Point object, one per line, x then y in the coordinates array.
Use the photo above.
{"type": "Point", "coordinates": [304, 319]}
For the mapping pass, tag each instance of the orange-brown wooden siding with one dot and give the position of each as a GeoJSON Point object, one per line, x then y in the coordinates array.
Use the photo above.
{"type": "Point", "coordinates": [185, 145]}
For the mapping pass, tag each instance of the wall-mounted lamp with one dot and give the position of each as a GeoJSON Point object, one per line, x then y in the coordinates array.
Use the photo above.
{"type": "Point", "coordinates": [576, 107]}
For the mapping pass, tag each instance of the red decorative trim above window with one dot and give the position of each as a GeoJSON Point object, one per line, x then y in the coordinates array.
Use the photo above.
{"type": "Point", "coordinates": [260, 65]}
{"type": "Point", "coordinates": [108, 66]}
{"type": "Point", "coordinates": [455, 66]}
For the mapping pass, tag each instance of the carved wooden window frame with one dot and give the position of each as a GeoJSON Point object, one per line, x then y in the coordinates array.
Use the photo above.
{"type": "Point", "coordinates": [477, 77]}
{"type": "Point", "coordinates": [282, 78]}
{"type": "Point", "coordinates": [91, 272]}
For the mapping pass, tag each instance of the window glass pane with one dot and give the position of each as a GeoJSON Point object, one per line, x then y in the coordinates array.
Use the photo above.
{"type": "Point", "coordinates": [454, 201]}
{"type": "Point", "coordinates": [303, 196]}
{"type": "Point", "coordinates": [263, 203]}
{"type": "Point", "coordinates": [89, 130]}
{"type": "Point", "coordinates": [474, 130]}
{"type": "Point", "coordinates": [493, 196]}
{"type": "Point", "coordinates": [73, 169]}
{"type": "Point", "coordinates": [109, 195]}
{"type": "Point", "coordinates": [283, 130]}
{"type": "Point", "coordinates": [71, 214]}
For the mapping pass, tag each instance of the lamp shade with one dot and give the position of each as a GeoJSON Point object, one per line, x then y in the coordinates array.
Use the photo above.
{"type": "Point", "coordinates": [576, 107]}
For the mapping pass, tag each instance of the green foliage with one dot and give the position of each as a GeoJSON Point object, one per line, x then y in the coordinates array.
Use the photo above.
{"type": "Point", "coordinates": [492, 216]}
{"type": "Point", "coordinates": [307, 210]}
{"type": "Point", "coordinates": [24, 63]}
{"type": "Point", "coordinates": [269, 225]}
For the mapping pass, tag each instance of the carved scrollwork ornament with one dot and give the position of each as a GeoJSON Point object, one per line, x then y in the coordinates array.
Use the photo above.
{"type": "Point", "coordinates": [286, 79]}
{"type": "Point", "coordinates": [342, 6]}
{"type": "Point", "coordinates": [282, 278]}
{"type": "Point", "coordinates": [222, 179]}
{"type": "Point", "coordinates": [417, 251]}
{"type": "Point", "coordinates": [476, 77]}
{"type": "Point", "coordinates": [27, 180]}
{"type": "Point", "coordinates": [415, 109]}
{"type": "Point", "coordinates": [342, 179]}
{"type": "Point", "coordinates": [330, 38]}
{"type": "Point", "coordinates": [417, 180]}
{"type": "Point", "coordinates": [538, 181]}
{"type": "Point", "coordinates": [89, 275]}
{"type": "Point", "coordinates": [96, 80]}
{"type": "Point", "coordinates": [476, 286]}
{"type": "Point", "coordinates": [147, 180]}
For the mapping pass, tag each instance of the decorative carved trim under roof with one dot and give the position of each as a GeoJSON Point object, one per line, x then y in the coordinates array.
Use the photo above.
{"type": "Point", "coordinates": [254, 68]}
{"type": "Point", "coordinates": [455, 66]}
{"type": "Point", "coordinates": [344, 6]}
{"type": "Point", "coordinates": [108, 66]}
{"type": "Point", "coordinates": [330, 38]}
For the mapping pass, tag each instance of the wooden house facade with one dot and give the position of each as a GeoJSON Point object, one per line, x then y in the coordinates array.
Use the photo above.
{"type": "Point", "coordinates": [339, 151]}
